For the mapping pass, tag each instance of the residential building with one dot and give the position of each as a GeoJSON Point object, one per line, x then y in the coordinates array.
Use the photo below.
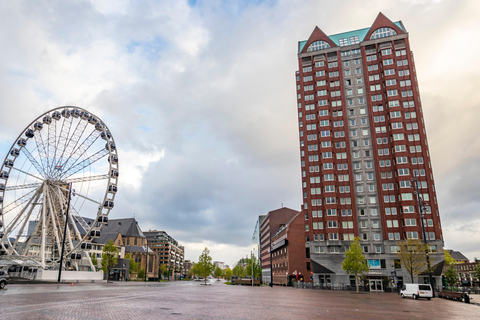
{"type": "Point", "coordinates": [170, 253]}
{"type": "Point", "coordinates": [457, 256]}
{"type": "Point", "coordinates": [271, 223]}
{"type": "Point", "coordinates": [363, 143]}
{"type": "Point", "coordinates": [466, 273]}
{"type": "Point", "coordinates": [289, 255]}
{"type": "Point", "coordinates": [256, 237]}
{"type": "Point", "coordinates": [129, 238]}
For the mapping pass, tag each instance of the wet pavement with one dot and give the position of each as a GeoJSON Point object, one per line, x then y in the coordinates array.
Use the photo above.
{"type": "Point", "coordinates": [191, 300]}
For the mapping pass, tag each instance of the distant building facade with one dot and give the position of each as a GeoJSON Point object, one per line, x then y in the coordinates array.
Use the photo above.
{"type": "Point", "coordinates": [290, 258]}
{"type": "Point", "coordinates": [170, 253]}
{"type": "Point", "coordinates": [270, 224]}
{"type": "Point", "coordinates": [129, 238]}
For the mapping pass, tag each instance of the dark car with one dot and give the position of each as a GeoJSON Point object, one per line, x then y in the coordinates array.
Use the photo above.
{"type": "Point", "coordinates": [3, 279]}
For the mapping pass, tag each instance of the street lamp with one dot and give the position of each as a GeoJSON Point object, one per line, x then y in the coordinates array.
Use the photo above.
{"type": "Point", "coordinates": [146, 263]}
{"type": "Point", "coordinates": [421, 208]}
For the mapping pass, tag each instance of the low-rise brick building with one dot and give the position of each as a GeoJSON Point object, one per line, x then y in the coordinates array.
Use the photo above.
{"type": "Point", "coordinates": [289, 255]}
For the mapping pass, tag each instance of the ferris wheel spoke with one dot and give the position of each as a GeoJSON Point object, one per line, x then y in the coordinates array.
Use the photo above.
{"type": "Point", "coordinates": [71, 145]}
{"type": "Point", "coordinates": [79, 153]}
{"type": "Point", "coordinates": [77, 217]}
{"type": "Point", "coordinates": [88, 178]}
{"type": "Point", "coordinates": [23, 186]}
{"type": "Point", "coordinates": [80, 146]}
{"type": "Point", "coordinates": [29, 174]}
{"type": "Point", "coordinates": [84, 163]}
{"type": "Point", "coordinates": [18, 202]}
{"type": "Point", "coordinates": [34, 162]}
{"type": "Point", "coordinates": [62, 141]}
{"type": "Point", "coordinates": [52, 136]}
{"type": "Point", "coordinates": [14, 222]}
{"type": "Point", "coordinates": [42, 153]}
{"type": "Point", "coordinates": [80, 195]}
{"type": "Point", "coordinates": [26, 220]}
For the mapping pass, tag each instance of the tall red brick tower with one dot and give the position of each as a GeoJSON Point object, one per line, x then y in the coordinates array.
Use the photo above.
{"type": "Point", "coordinates": [362, 141]}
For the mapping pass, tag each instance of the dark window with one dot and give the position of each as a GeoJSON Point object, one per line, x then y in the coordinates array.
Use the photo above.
{"type": "Point", "coordinates": [397, 264]}
{"type": "Point", "coordinates": [308, 265]}
{"type": "Point", "coordinates": [307, 252]}
{"type": "Point", "coordinates": [383, 265]}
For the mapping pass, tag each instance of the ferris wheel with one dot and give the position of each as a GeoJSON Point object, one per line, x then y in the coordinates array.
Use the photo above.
{"type": "Point", "coordinates": [57, 187]}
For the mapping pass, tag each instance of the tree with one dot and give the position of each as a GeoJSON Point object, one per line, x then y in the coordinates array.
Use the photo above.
{"type": "Point", "coordinates": [355, 262]}
{"type": "Point", "coordinates": [257, 270]}
{"type": "Point", "coordinates": [141, 274]}
{"type": "Point", "coordinates": [94, 261]}
{"type": "Point", "coordinates": [238, 271]}
{"type": "Point", "coordinates": [228, 273]}
{"type": "Point", "coordinates": [109, 257]}
{"type": "Point", "coordinates": [163, 271]}
{"type": "Point", "coordinates": [448, 258]}
{"type": "Point", "coordinates": [205, 265]}
{"type": "Point", "coordinates": [218, 272]}
{"type": "Point", "coordinates": [133, 264]}
{"type": "Point", "coordinates": [451, 276]}
{"type": "Point", "coordinates": [476, 272]}
{"type": "Point", "coordinates": [412, 256]}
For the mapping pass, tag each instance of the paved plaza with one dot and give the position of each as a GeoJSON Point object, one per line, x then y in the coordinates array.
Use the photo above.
{"type": "Point", "coordinates": [191, 300]}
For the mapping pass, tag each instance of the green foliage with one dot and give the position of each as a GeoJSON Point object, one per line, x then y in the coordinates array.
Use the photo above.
{"type": "Point", "coordinates": [238, 271]}
{"type": "Point", "coordinates": [355, 262]}
{"type": "Point", "coordinates": [228, 273]}
{"type": "Point", "coordinates": [476, 272]}
{"type": "Point", "coordinates": [94, 260]}
{"type": "Point", "coordinates": [218, 272]}
{"type": "Point", "coordinates": [205, 265]}
{"type": "Point", "coordinates": [413, 256]}
{"type": "Point", "coordinates": [109, 257]}
{"type": "Point", "coordinates": [448, 258]}
{"type": "Point", "coordinates": [133, 264]}
{"type": "Point", "coordinates": [141, 274]}
{"type": "Point", "coordinates": [451, 276]}
{"type": "Point", "coordinates": [257, 270]}
{"type": "Point", "coordinates": [164, 271]}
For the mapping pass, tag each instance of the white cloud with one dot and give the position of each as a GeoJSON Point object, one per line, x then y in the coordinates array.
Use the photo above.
{"type": "Point", "coordinates": [201, 100]}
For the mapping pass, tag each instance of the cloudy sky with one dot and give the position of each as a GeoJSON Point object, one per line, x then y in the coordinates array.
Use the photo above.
{"type": "Point", "coordinates": [200, 97]}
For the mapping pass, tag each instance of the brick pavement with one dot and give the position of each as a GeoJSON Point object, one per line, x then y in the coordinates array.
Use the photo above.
{"type": "Point", "coordinates": [189, 300]}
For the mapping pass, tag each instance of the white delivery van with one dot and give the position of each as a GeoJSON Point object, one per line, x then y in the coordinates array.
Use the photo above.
{"type": "Point", "coordinates": [416, 291]}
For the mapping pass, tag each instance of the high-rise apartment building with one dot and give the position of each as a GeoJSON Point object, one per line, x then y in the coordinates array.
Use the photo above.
{"type": "Point", "coordinates": [362, 141]}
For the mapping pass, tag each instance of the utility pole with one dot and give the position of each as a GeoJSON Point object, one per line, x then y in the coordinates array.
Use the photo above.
{"type": "Point", "coordinates": [421, 207]}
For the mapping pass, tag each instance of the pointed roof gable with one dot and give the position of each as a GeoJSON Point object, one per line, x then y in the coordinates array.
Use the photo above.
{"type": "Point", "coordinates": [317, 35]}
{"type": "Point", "coordinates": [381, 21]}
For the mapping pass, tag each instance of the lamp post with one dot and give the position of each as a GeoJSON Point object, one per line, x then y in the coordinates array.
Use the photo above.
{"type": "Point", "coordinates": [421, 208]}
{"type": "Point", "coordinates": [271, 266]}
{"type": "Point", "coordinates": [146, 263]}
{"type": "Point", "coordinates": [65, 232]}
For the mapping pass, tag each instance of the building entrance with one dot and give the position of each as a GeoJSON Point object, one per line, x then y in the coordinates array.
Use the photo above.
{"type": "Point", "coordinates": [376, 285]}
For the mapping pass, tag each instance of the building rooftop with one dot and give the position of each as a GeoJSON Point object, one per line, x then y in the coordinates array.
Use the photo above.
{"type": "Point", "coordinates": [349, 36]}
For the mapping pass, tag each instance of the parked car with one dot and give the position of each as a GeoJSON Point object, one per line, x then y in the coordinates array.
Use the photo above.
{"type": "Point", "coordinates": [3, 279]}
{"type": "Point", "coordinates": [416, 291]}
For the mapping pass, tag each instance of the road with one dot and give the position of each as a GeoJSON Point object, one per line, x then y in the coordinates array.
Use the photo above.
{"type": "Point", "coordinates": [192, 300]}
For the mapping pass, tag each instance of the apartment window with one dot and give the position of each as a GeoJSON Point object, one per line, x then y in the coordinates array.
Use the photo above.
{"type": "Point", "coordinates": [333, 236]}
